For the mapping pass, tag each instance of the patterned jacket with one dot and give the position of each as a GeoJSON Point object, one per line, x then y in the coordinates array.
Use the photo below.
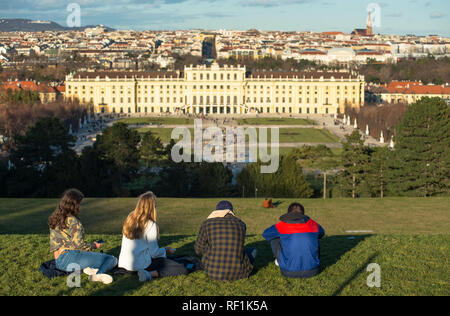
{"type": "Point", "coordinates": [220, 242]}
{"type": "Point", "coordinates": [71, 238]}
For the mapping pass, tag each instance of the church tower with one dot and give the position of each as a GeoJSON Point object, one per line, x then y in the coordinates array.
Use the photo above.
{"type": "Point", "coordinates": [369, 29]}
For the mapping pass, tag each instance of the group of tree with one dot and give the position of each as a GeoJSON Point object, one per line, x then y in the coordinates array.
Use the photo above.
{"type": "Point", "coordinates": [43, 68]}
{"type": "Point", "coordinates": [44, 163]}
{"type": "Point", "coordinates": [123, 163]}
{"type": "Point", "coordinates": [383, 118]}
{"type": "Point", "coordinates": [419, 164]}
{"type": "Point", "coordinates": [428, 70]}
{"type": "Point", "coordinates": [287, 181]}
{"type": "Point", "coordinates": [17, 117]}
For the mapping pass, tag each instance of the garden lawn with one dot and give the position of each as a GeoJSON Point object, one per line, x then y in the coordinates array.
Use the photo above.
{"type": "Point", "coordinates": [287, 135]}
{"type": "Point", "coordinates": [157, 120]}
{"type": "Point", "coordinates": [275, 121]}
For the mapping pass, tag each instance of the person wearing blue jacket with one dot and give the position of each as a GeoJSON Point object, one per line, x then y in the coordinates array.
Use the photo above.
{"type": "Point", "coordinates": [295, 243]}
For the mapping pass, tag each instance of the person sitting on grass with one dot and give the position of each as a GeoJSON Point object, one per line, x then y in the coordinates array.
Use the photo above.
{"type": "Point", "coordinates": [295, 243]}
{"type": "Point", "coordinates": [68, 245]}
{"type": "Point", "coordinates": [220, 243]}
{"type": "Point", "coordinates": [267, 203]}
{"type": "Point", "coordinates": [140, 251]}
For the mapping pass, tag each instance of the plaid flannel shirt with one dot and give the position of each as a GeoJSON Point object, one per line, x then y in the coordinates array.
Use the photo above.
{"type": "Point", "coordinates": [220, 242]}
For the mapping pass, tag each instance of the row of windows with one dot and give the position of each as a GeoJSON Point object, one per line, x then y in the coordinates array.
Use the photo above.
{"type": "Point", "coordinates": [181, 87]}
{"type": "Point", "coordinates": [214, 99]}
{"type": "Point", "coordinates": [300, 100]}
{"type": "Point", "coordinates": [139, 110]}
{"type": "Point", "coordinates": [221, 110]}
{"type": "Point", "coordinates": [215, 76]}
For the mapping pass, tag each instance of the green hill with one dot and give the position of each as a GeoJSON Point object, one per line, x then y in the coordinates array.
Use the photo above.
{"type": "Point", "coordinates": [407, 237]}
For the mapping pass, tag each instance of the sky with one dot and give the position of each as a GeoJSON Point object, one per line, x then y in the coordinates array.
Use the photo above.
{"type": "Point", "coordinates": [420, 17]}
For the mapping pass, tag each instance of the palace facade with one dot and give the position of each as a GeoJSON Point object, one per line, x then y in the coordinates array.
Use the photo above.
{"type": "Point", "coordinates": [217, 90]}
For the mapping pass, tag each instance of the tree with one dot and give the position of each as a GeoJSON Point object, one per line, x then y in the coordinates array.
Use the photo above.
{"type": "Point", "coordinates": [421, 160]}
{"type": "Point", "coordinates": [377, 172]}
{"type": "Point", "coordinates": [288, 181]}
{"type": "Point", "coordinates": [355, 159]}
{"type": "Point", "coordinates": [94, 170]}
{"type": "Point", "coordinates": [3, 178]}
{"type": "Point", "coordinates": [42, 160]}
{"type": "Point", "coordinates": [119, 144]}
{"type": "Point", "coordinates": [151, 149]}
{"type": "Point", "coordinates": [211, 180]}
{"type": "Point", "coordinates": [41, 144]}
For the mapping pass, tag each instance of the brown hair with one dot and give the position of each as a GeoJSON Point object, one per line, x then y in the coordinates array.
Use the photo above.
{"type": "Point", "coordinates": [137, 221]}
{"type": "Point", "coordinates": [296, 207]}
{"type": "Point", "coordinates": [68, 206]}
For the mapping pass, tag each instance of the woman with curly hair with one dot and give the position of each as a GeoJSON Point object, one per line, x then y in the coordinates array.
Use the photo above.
{"type": "Point", "coordinates": [67, 241]}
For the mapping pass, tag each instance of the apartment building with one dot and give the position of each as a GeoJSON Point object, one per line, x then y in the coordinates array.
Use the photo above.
{"type": "Point", "coordinates": [217, 90]}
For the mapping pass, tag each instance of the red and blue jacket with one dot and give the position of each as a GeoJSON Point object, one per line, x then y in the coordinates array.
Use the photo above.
{"type": "Point", "coordinates": [298, 238]}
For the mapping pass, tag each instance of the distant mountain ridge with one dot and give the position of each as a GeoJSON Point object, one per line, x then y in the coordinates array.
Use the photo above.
{"type": "Point", "coordinates": [26, 25]}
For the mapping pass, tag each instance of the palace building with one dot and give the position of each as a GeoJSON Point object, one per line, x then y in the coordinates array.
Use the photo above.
{"type": "Point", "coordinates": [217, 90]}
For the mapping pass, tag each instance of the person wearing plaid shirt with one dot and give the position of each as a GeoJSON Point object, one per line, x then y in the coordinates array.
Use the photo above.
{"type": "Point", "coordinates": [220, 243]}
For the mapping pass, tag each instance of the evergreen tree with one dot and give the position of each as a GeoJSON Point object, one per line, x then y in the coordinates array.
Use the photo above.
{"type": "Point", "coordinates": [211, 180]}
{"type": "Point", "coordinates": [288, 181]}
{"type": "Point", "coordinates": [94, 170]}
{"type": "Point", "coordinates": [355, 158]}
{"type": "Point", "coordinates": [420, 165]}
{"type": "Point", "coordinates": [376, 180]}
{"type": "Point", "coordinates": [3, 178]}
{"type": "Point", "coordinates": [151, 149]}
{"type": "Point", "coordinates": [41, 160]}
{"type": "Point", "coordinates": [119, 144]}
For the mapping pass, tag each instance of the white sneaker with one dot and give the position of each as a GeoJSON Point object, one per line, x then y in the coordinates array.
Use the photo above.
{"type": "Point", "coordinates": [104, 278]}
{"type": "Point", "coordinates": [90, 271]}
{"type": "Point", "coordinates": [144, 276]}
{"type": "Point", "coordinates": [276, 262]}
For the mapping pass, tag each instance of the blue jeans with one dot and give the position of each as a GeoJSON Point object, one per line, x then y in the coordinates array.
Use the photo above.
{"type": "Point", "coordinates": [248, 252]}
{"type": "Point", "coordinates": [86, 259]}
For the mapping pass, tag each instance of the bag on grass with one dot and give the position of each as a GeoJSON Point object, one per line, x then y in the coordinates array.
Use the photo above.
{"type": "Point", "coordinates": [50, 271]}
{"type": "Point", "coordinates": [191, 263]}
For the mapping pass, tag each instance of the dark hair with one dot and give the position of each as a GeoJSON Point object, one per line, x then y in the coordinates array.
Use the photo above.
{"type": "Point", "coordinates": [68, 206]}
{"type": "Point", "coordinates": [296, 207]}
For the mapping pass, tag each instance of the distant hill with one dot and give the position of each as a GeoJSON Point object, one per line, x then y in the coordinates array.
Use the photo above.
{"type": "Point", "coordinates": [25, 25]}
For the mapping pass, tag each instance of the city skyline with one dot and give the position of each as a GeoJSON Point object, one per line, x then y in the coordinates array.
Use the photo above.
{"type": "Point", "coordinates": [419, 17]}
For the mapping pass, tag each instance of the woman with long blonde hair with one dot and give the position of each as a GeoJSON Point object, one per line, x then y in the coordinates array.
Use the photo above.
{"type": "Point", "coordinates": [140, 250]}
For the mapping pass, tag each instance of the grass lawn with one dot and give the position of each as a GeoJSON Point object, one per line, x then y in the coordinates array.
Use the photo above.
{"type": "Point", "coordinates": [409, 240]}
{"type": "Point", "coordinates": [275, 121]}
{"type": "Point", "coordinates": [165, 134]}
{"type": "Point", "coordinates": [287, 135]}
{"type": "Point", "coordinates": [306, 135]}
{"type": "Point", "coordinates": [158, 120]}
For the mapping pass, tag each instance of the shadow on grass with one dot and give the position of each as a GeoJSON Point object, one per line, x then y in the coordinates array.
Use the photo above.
{"type": "Point", "coordinates": [277, 203]}
{"type": "Point", "coordinates": [35, 222]}
{"type": "Point", "coordinates": [128, 283]}
{"type": "Point", "coordinates": [361, 269]}
{"type": "Point", "coordinates": [332, 248]}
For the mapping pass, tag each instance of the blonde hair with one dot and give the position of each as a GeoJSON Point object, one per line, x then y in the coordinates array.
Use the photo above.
{"type": "Point", "coordinates": [137, 221]}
